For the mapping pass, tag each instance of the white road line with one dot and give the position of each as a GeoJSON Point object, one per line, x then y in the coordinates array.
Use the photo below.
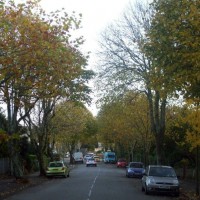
{"type": "Point", "coordinates": [90, 191]}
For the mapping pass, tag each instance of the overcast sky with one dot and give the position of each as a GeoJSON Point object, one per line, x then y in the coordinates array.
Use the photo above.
{"type": "Point", "coordinates": [96, 16]}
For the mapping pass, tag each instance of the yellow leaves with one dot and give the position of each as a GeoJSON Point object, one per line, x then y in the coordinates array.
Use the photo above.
{"type": "Point", "coordinates": [193, 139]}
{"type": "Point", "coordinates": [29, 39]}
{"type": "Point", "coordinates": [4, 137]}
{"type": "Point", "coordinates": [125, 122]}
{"type": "Point", "coordinates": [69, 122]}
{"type": "Point", "coordinates": [193, 120]}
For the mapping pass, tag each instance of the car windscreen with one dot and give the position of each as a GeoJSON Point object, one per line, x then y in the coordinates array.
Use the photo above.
{"type": "Point", "coordinates": [55, 165]}
{"type": "Point", "coordinates": [136, 165]}
{"type": "Point", "coordinates": [121, 160]}
{"type": "Point", "coordinates": [162, 172]}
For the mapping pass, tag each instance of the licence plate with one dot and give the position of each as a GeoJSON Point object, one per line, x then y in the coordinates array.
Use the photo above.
{"type": "Point", "coordinates": [163, 187]}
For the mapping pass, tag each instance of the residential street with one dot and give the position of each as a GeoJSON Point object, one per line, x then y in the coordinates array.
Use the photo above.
{"type": "Point", "coordinates": [86, 183]}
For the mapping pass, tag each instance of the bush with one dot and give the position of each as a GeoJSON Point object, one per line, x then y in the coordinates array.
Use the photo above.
{"type": "Point", "coordinates": [32, 164]}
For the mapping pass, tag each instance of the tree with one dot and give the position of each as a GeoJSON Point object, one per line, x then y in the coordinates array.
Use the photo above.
{"type": "Point", "coordinates": [126, 131]}
{"type": "Point", "coordinates": [124, 66]}
{"type": "Point", "coordinates": [89, 139]}
{"type": "Point", "coordinates": [69, 126]}
{"type": "Point", "coordinates": [137, 116]}
{"type": "Point", "coordinates": [3, 122]}
{"type": "Point", "coordinates": [174, 43]}
{"type": "Point", "coordinates": [38, 123]}
{"type": "Point", "coordinates": [39, 60]}
{"type": "Point", "coordinates": [193, 134]}
{"type": "Point", "coordinates": [175, 139]}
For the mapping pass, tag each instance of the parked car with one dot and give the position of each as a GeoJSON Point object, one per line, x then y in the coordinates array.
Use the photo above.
{"type": "Point", "coordinates": [135, 169]}
{"type": "Point", "coordinates": [91, 162]}
{"type": "Point", "coordinates": [78, 157]}
{"type": "Point", "coordinates": [67, 155]}
{"type": "Point", "coordinates": [162, 179]}
{"type": "Point", "coordinates": [122, 162]}
{"type": "Point", "coordinates": [97, 158]}
{"type": "Point", "coordinates": [87, 156]}
{"type": "Point", "coordinates": [57, 168]}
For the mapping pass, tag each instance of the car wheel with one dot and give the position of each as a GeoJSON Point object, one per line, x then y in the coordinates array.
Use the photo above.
{"type": "Point", "coordinates": [142, 189]}
{"type": "Point", "coordinates": [146, 190]}
{"type": "Point", "coordinates": [177, 194]}
{"type": "Point", "coordinates": [68, 174]}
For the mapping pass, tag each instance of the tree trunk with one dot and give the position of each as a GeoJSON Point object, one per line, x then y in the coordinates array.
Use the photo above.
{"type": "Point", "coordinates": [157, 107]}
{"type": "Point", "coordinates": [197, 170]}
{"type": "Point", "coordinates": [42, 164]}
{"type": "Point", "coordinates": [16, 163]}
{"type": "Point", "coordinates": [159, 148]}
{"type": "Point", "coordinates": [16, 168]}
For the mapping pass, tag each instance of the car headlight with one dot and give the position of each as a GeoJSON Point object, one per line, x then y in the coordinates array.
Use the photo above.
{"type": "Point", "coordinates": [176, 182]}
{"type": "Point", "coordinates": [150, 181]}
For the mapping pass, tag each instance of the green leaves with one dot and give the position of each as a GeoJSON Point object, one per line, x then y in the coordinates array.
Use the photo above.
{"type": "Point", "coordinates": [174, 41]}
{"type": "Point", "coordinates": [125, 123]}
{"type": "Point", "coordinates": [72, 124]}
{"type": "Point", "coordinates": [38, 60]}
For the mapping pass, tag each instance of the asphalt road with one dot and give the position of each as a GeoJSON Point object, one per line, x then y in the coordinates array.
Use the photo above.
{"type": "Point", "coordinates": [104, 182]}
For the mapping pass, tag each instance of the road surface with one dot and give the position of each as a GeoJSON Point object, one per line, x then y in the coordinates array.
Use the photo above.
{"type": "Point", "coordinates": [104, 182]}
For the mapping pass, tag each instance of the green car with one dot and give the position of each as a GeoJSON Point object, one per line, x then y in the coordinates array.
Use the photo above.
{"type": "Point", "coordinates": [57, 168]}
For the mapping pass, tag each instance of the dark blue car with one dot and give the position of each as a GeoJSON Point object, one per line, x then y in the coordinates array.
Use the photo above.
{"type": "Point", "coordinates": [135, 169]}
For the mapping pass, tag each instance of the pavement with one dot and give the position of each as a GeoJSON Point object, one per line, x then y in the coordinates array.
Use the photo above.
{"type": "Point", "coordinates": [188, 190]}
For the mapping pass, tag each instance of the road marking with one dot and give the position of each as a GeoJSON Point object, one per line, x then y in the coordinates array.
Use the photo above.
{"type": "Point", "coordinates": [90, 191]}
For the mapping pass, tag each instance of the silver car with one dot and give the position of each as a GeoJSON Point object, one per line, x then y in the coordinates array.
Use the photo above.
{"type": "Point", "coordinates": [91, 162]}
{"type": "Point", "coordinates": [162, 179]}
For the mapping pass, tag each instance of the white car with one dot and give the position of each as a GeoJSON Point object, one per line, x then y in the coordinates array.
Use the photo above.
{"type": "Point", "coordinates": [91, 162]}
{"type": "Point", "coordinates": [78, 157]}
{"type": "Point", "coordinates": [87, 156]}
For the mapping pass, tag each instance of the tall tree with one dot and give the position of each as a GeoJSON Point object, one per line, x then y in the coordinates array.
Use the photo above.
{"type": "Point", "coordinates": [39, 60]}
{"type": "Point", "coordinates": [174, 46]}
{"type": "Point", "coordinates": [124, 66]}
{"type": "Point", "coordinates": [174, 43]}
{"type": "Point", "coordinates": [125, 130]}
{"type": "Point", "coordinates": [193, 134]}
{"type": "Point", "coordinates": [69, 126]}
